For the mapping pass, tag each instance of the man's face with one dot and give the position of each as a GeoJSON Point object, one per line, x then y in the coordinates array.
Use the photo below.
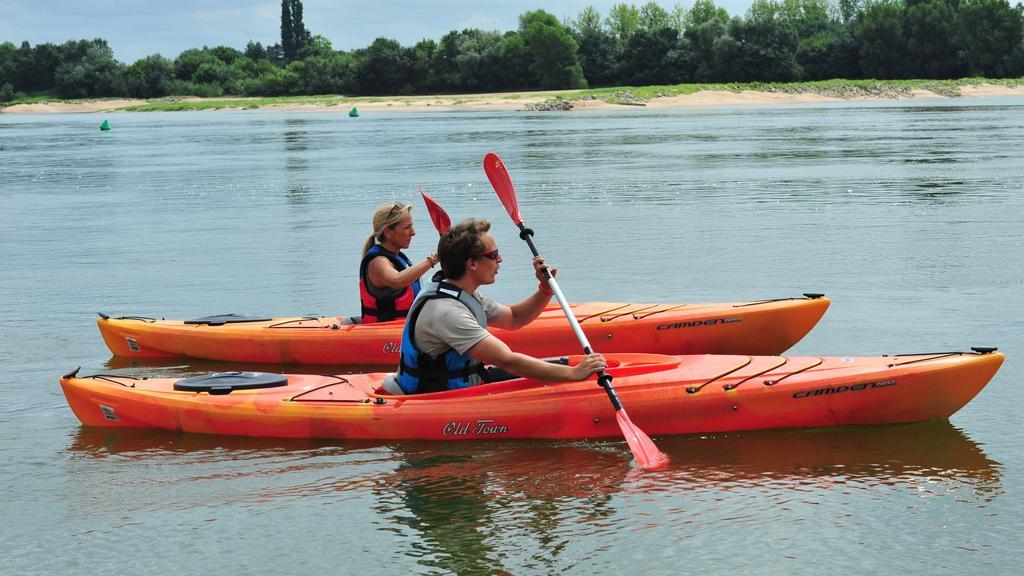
{"type": "Point", "coordinates": [484, 268]}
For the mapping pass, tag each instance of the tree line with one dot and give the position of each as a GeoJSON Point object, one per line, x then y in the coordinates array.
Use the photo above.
{"type": "Point", "coordinates": [776, 41]}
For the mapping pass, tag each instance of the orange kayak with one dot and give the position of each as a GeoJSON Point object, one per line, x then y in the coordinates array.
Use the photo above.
{"type": "Point", "coordinates": [758, 327]}
{"type": "Point", "coordinates": [663, 395]}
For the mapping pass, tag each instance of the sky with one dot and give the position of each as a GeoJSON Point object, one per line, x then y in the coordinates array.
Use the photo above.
{"type": "Point", "coordinates": [138, 28]}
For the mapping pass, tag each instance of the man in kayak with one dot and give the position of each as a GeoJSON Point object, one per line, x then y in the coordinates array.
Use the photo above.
{"type": "Point", "coordinates": [445, 344]}
{"type": "Point", "coordinates": [388, 280]}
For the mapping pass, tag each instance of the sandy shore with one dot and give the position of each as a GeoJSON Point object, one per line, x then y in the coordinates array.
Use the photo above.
{"type": "Point", "coordinates": [514, 101]}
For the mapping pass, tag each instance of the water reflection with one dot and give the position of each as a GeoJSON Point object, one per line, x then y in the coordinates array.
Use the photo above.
{"type": "Point", "coordinates": [459, 505]}
{"type": "Point", "coordinates": [296, 134]}
{"type": "Point", "coordinates": [296, 144]}
{"type": "Point", "coordinates": [890, 454]}
{"type": "Point", "coordinates": [475, 480]}
{"type": "Point", "coordinates": [593, 469]}
{"type": "Point", "coordinates": [479, 508]}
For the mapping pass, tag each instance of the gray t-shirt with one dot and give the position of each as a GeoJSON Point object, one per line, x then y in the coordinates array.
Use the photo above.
{"type": "Point", "coordinates": [446, 323]}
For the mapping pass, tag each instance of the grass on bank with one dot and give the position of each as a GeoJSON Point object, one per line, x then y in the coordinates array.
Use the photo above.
{"type": "Point", "coordinates": [832, 88]}
{"type": "Point", "coordinates": [624, 95]}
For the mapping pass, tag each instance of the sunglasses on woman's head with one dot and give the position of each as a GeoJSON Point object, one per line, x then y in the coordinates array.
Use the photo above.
{"type": "Point", "coordinates": [397, 207]}
{"type": "Point", "coordinates": [492, 255]}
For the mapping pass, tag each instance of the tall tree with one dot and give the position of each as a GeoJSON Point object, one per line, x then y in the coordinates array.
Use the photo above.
{"type": "Point", "coordinates": [294, 35]}
{"type": "Point", "coordinates": [301, 35]}
{"type": "Point", "coordinates": [287, 31]}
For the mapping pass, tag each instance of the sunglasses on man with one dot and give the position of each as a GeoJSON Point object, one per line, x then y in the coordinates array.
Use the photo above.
{"type": "Point", "coordinates": [492, 255]}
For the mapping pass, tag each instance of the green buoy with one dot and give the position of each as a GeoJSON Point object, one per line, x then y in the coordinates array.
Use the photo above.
{"type": "Point", "coordinates": [353, 113]}
{"type": "Point", "coordinates": [105, 126]}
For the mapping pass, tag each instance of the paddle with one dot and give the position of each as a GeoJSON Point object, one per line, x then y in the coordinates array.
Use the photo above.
{"type": "Point", "coordinates": [646, 453]}
{"type": "Point", "coordinates": [437, 214]}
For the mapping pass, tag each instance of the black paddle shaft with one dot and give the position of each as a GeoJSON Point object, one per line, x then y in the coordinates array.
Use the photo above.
{"type": "Point", "coordinates": [604, 379]}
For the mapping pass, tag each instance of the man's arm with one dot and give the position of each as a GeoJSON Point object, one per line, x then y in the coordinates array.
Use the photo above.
{"type": "Point", "coordinates": [493, 351]}
{"type": "Point", "coordinates": [522, 313]}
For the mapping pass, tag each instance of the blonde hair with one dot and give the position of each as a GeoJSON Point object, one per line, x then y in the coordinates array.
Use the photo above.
{"type": "Point", "coordinates": [387, 216]}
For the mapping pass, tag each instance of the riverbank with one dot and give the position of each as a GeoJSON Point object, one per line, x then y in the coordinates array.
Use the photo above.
{"type": "Point", "coordinates": [678, 96]}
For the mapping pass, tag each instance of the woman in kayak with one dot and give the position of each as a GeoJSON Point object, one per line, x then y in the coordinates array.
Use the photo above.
{"type": "Point", "coordinates": [388, 280]}
{"type": "Point", "coordinates": [445, 343]}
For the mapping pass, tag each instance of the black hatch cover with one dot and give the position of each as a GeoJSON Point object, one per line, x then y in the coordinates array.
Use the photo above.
{"type": "Point", "coordinates": [225, 382]}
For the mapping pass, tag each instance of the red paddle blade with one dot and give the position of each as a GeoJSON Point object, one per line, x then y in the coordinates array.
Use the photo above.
{"type": "Point", "coordinates": [646, 453]}
{"type": "Point", "coordinates": [437, 214]}
{"type": "Point", "coordinates": [502, 185]}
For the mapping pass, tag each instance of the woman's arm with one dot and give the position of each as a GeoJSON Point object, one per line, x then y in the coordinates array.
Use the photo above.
{"type": "Point", "coordinates": [383, 275]}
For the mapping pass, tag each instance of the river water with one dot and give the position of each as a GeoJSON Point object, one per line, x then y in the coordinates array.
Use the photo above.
{"type": "Point", "coordinates": [909, 215]}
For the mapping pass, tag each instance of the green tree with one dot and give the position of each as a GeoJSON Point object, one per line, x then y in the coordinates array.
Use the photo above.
{"type": "Point", "coordinates": [766, 44]}
{"type": "Point", "coordinates": [654, 57]}
{"type": "Point", "coordinates": [150, 77]}
{"type": "Point", "coordinates": [827, 46]}
{"type": "Point", "coordinates": [884, 52]}
{"type": "Point", "coordinates": [708, 41]}
{"type": "Point", "coordinates": [294, 35]}
{"type": "Point", "coordinates": [704, 11]}
{"type": "Point", "coordinates": [278, 82]}
{"type": "Point", "coordinates": [7, 92]}
{"type": "Point", "coordinates": [807, 17]}
{"type": "Point", "coordinates": [516, 61]}
{"type": "Point", "coordinates": [255, 51]}
{"type": "Point", "coordinates": [8, 63]}
{"type": "Point", "coordinates": [991, 32]}
{"type": "Point", "coordinates": [383, 69]}
{"type": "Point", "coordinates": [653, 17]}
{"type": "Point", "coordinates": [287, 31]}
{"type": "Point", "coordinates": [833, 53]}
{"type": "Point", "coordinates": [849, 10]}
{"type": "Point", "coordinates": [623, 19]}
{"type": "Point", "coordinates": [88, 69]}
{"type": "Point", "coordinates": [553, 50]}
{"type": "Point", "coordinates": [931, 39]}
{"type": "Point", "coordinates": [598, 52]}
{"type": "Point", "coordinates": [422, 75]}
{"type": "Point", "coordinates": [469, 60]}
{"type": "Point", "coordinates": [316, 46]}
{"type": "Point", "coordinates": [188, 63]}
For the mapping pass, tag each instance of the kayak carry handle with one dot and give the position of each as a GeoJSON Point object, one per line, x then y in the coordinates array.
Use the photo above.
{"type": "Point", "coordinates": [71, 374]}
{"type": "Point", "coordinates": [813, 295]}
{"type": "Point", "coordinates": [984, 349]}
{"type": "Point", "coordinates": [104, 316]}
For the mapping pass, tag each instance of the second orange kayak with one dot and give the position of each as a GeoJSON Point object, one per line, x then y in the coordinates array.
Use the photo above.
{"type": "Point", "coordinates": [755, 328]}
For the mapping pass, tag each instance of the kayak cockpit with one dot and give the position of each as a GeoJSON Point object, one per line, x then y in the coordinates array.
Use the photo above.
{"type": "Point", "coordinates": [619, 365]}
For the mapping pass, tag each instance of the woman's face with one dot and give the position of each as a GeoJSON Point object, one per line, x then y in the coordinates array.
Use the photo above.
{"type": "Point", "coordinates": [401, 234]}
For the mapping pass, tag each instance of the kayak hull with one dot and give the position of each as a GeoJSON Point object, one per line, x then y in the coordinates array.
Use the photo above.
{"type": "Point", "coordinates": [663, 395]}
{"type": "Point", "coordinates": [762, 327]}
